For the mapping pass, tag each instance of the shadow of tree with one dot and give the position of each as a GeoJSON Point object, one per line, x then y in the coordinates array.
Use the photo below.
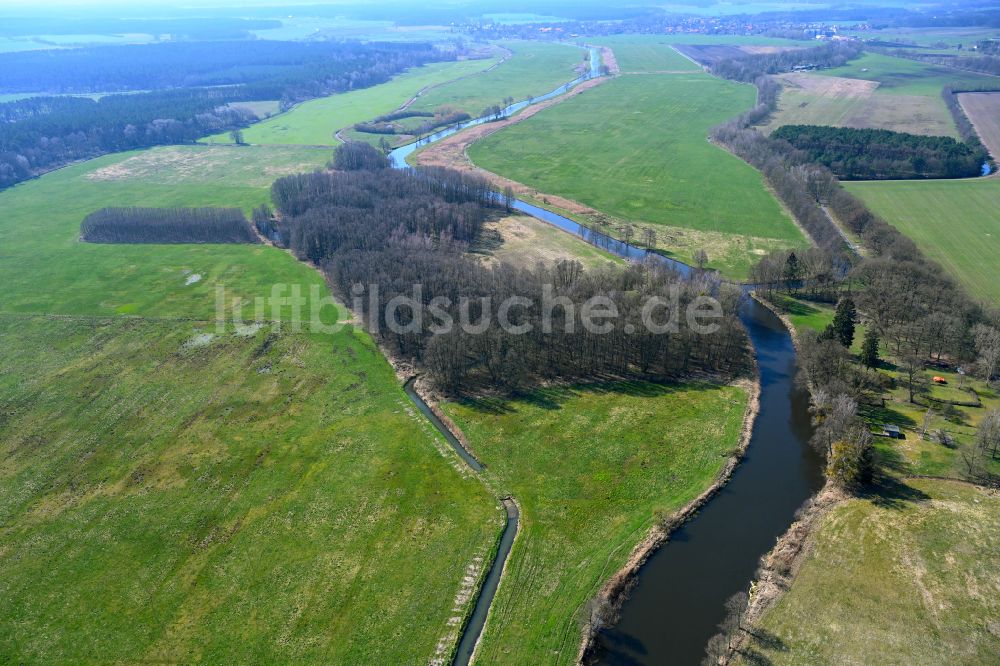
{"type": "Point", "coordinates": [889, 492]}
{"type": "Point", "coordinates": [751, 656]}
{"type": "Point", "coordinates": [887, 415]}
{"type": "Point", "coordinates": [767, 640]}
{"type": "Point", "coordinates": [889, 458]}
{"type": "Point", "coordinates": [554, 397]}
{"type": "Point", "coordinates": [620, 648]}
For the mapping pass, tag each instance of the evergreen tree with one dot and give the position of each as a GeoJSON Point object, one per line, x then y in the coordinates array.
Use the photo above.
{"type": "Point", "coordinates": [869, 349]}
{"type": "Point", "coordinates": [793, 269]}
{"type": "Point", "coordinates": [843, 321]}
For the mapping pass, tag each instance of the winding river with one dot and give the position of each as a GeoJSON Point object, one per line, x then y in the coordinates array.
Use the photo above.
{"type": "Point", "coordinates": [679, 595]}
{"type": "Point", "coordinates": [680, 592]}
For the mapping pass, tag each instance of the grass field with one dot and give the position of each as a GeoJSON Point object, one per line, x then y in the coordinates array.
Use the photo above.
{"type": "Point", "coordinates": [315, 122]}
{"type": "Point", "coordinates": [956, 223]}
{"type": "Point", "coordinates": [647, 53]}
{"type": "Point", "coordinates": [525, 241]}
{"type": "Point", "coordinates": [170, 492]}
{"type": "Point", "coordinates": [589, 466]}
{"type": "Point", "coordinates": [875, 91]}
{"type": "Point", "coordinates": [926, 37]}
{"type": "Point", "coordinates": [911, 576]}
{"type": "Point", "coordinates": [535, 68]}
{"type": "Point", "coordinates": [811, 99]}
{"type": "Point", "coordinates": [635, 148]}
{"type": "Point", "coordinates": [983, 110]}
{"type": "Point", "coordinates": [263, 498]}
{"type": "Point", "coordinates": [46, 270]}
{"type": "Point", "coordinates": [899, 76]}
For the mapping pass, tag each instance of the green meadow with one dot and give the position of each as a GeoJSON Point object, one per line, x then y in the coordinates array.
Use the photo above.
{"type": "Point", "coordinates": [46, 270]}
{"type": "Point", "coordinates": [315, 122]}
{"type": "Point", "coordinates": [635, 148]}
{"type": "Point", "coordinates": [899, 76]}
{"type": "Point", "coordinates": [590, 467]}
{"type": "Point", "coordinates": [534, 68]}
{"type": "Point", "coordinates": [648, 53]}
{"type": "Point", "coordinates": [175, 492]}
{"type": "Point", "coordinates": [910, 576]}
{"type": "Point", "coordinates": [954, 222]}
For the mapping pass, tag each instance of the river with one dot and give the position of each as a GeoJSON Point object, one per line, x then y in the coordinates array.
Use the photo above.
{"type": "Point", "coordinates": [680, 592]}
{"type": "Point", "coordinates": [399, 155]}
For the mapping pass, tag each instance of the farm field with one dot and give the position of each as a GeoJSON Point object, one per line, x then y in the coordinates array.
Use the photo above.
{"type": "Point", "coordinates": [649, 163]}
{"type": "Point", "coordinates": [175, 492]}
{"type": "Point", "coordinates": [315, 122]}
{"type": "Point", "coordinates": [811, 99]}
{"type": "Point", "coordinates": [590, 466]}
{"type": "Point", "coordinates": [525, 242]}
{"type": "Point", "coordinates": [46, 270]}
{"type": "Point", "coordinates": [647, 54]}
{"type": "Point", "coordinates": [875, 91]}
{"type": "Point", "coordinates": [983, 110]}
{"type": "Point", "coordinates": [899, 76]}
{"type": "Point", "coordinates": [170, 499]}
{"type": "Point", "coordinates": [909, 576]}
{"type": "Point", "coordinates": [535, 68]}
{"type": "Point", "coordinates": [956, 223]}
{"type": "Point", "coordinates": [927, 37]}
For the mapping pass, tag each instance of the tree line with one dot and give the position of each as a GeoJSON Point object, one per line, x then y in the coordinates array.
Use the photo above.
{"type": "Point", "coordinates": [389, 230]}
{"type": "Point", "coordinates": [985, 63]}
{"type": "Point", "coordinates": [167, 225]}
{"type": "Point", "coordinates": [750, 68]}
{"type": "Point", "coordinates": [269, 69]}
{"type": "Point", "coordinates": [879, 154]}
{"type": "Point", "coordinates": [965, 128]}
{"type": "Point", "coordinates": [440, 118]}
{"type": "Point", "coordinates": [40, 133]}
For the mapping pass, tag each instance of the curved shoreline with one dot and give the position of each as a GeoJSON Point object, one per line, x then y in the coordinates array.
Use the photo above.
{"type": "Point", "coordinates": [615, 589]}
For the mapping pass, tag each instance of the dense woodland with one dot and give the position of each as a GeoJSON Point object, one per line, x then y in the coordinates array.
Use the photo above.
{"type": "Point", "coordinates": [389, 230]}
{"type": "Point", "coordinates": [177, 28]}
{"type": "Point", "coordinates": [268, 69]}
{"type": "Point", "coordinates": [167, 225]}
{"type": "Point", "coordinates": [39, 133]}
{"type": "Point", "coordinates": [878, 154]}
{"type": "Point", "coordinates": [748, 69]}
